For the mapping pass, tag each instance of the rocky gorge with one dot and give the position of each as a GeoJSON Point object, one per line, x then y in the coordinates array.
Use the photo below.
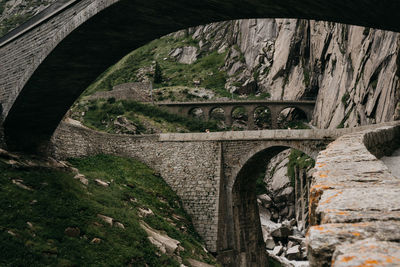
{"type": "Point", "coordinates": [351, 71]}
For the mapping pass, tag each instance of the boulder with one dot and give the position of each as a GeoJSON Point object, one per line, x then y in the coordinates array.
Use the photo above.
{"type": "Point", "coordinates": [119, 225]}
{"type": "Point", "coordinates": [293, 253]}
{"type": "Point", "coordinates": [102, 183]}
{"type": "Point", "coordinates": [163, 242]}
{"type": "Point", "coordinates": [277, 250]}
{"type": "Point", "coordinates": [265, 200]}
{"type": "Point", "coordinates": [185, 55]}
{"type": "Point", "coordinates": [282, 232]}
{"type": "Point", "coordinates": [81, 178]}
{"type": "Point", "coordinates": [19, 183]}
{"type": "Point", "coordinates": [106, 219]}
{"type": "Point", "coordinates": [144, 212]}
{"type": "Point", "coordinates": [95, 240]}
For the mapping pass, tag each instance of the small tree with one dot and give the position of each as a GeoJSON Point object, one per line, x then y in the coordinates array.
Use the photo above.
{"type": "Point", "coordinates": [157, 74]}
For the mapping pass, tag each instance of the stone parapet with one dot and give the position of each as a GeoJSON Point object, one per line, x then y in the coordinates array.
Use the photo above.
{"type": "Point", "coordinates": [354, 196]}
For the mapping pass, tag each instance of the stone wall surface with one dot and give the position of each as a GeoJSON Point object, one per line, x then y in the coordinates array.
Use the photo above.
{"type": "Point", "coordinates": [201, 167]}
{"type": "Point", "coordinates": [190, 168]}
{"type": "Point", "coordinates": [214, 174]}
{"type": "Point", "coordinates": [354, 197]}
{"type": "Point", "coordinates": [22, 56]}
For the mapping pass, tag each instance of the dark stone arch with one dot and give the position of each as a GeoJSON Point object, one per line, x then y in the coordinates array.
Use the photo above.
{"type": "Point", "coordinates": [192, 110]}
{"type": "Point", "coordinates": [296, 108]}
{"type": "Point", "coordinates": [261, 119]}
{"type": "Point", "coordinates": [246, 228]}
{"type": "Point", "coordinates": [102, 39]}
{"type": "Point", "coordinates": [213, 109]}
{"type": "Point", "coordinates": [297, 111]}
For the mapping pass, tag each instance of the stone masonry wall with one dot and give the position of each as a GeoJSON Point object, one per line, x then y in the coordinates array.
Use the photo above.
{"type": "Point", "coordinates": [137, 91]}
{"type": "Point", "coordinates": [191, 168]}
{"type": "Point", "coordinates": [354, 202]}
{"type": "Point", "coordinates": [202, 168]}
{"type": "Point", "coordinates": [19, 60]}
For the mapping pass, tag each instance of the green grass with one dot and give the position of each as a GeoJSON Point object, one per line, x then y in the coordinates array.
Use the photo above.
{"type": "Point", "coordinates": [64, 202]}
{"type": "Point", "coordinates": [260, 185]}
{"type": "Point", "coordinates": [206, 68]}
{"type": "Point", "coordinates": [300, 160]}
{"type": "Point", "coordinates": [100, 114]}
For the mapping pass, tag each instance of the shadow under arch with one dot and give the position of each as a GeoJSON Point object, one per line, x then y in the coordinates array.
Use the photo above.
{"type": "Point", "coordinates": [197, 112]}
{"type": "Point", "coordinates": [303, 112]}
{"type": "Point", "coordinates": [262, 117]}
{"type": "Point", "coordinates": [242, 239]}
{"type": "Point", "coordinates": [87, 46]}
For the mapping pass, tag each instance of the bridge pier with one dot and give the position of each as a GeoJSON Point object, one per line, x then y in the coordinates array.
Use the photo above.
{"type": "Point", "coordinates": [274, 116]}
{"type": "Point", "coordinates": [228, 115]}
{"type": "Point", "coordinates": [207, 112]}
{"type": "Point", "coordinates": [250, 117]}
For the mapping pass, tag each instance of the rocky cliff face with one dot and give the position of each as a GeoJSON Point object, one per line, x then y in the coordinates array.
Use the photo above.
{"type": "Point", "coordinates": [353, 70]}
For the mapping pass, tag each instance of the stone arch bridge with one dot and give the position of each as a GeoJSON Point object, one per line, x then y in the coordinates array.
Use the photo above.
{"type": "Point", "coordinates": [50, 60]}
{"type": "Point", "coordinates": [274, 107]}
{"type": "Point", "coordinates": [213, 173]}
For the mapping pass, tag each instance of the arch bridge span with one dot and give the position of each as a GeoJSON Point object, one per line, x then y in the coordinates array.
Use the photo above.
{"type": "Point", "coordinates": [213, 173]}
{"type": "Point", "coordinates": [49, 61]}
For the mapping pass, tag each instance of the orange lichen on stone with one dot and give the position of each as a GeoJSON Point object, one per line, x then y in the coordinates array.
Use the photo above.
{"type": "Point", "coordinates": [372, 262]}
{"type": "Point", "coordinates": [362, 224]}
{"type": "Point", "coordinates": [323, 175]}
{"type": "Point", "coordinates": [348, 258]}
{"type": "Point", "coordinates": [331, 197]}
{"type": "Point", "coordinates": [355, 234]}
{"type": "Point", "coordinates": [318, 228]}
{"type": "Point", "coordinates": [319, 186]}
{"type": "Point", "coordinates": [391, 259]}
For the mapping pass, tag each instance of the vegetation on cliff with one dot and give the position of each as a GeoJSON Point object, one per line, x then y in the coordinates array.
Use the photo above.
{"type": "Point", "coordinates": [39, 205]}
{"type": "Point", "coordinates": [140, 65]}
{"type": "Point", "coordinates": [140, 118]}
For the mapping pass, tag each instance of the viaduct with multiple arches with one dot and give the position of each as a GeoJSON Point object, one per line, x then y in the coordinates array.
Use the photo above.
{"type": "Point", "coordinates": [250, 106]}
{"type": "Point", "coordinates": [50, 60]}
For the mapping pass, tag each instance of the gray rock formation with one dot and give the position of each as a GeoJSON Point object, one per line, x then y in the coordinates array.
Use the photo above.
{"type": "Point", "coordinates": [354, 70]}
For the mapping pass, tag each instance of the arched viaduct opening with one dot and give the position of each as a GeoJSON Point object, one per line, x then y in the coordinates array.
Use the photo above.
{"type": "Point", "coordinates": [87, 46]}
{"type": "Point", "coordinates": [293, 118]}
{"type": "Point", "coordinates": [245, 234]}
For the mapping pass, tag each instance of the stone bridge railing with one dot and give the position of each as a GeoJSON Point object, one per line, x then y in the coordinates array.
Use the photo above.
{"type": "Point", "coordinates": [355, 202]}
{"type": "Point", "coordinates": [207, 107]}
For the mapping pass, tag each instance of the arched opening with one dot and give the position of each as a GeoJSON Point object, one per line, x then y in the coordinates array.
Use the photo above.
{"type": "Point", "coordinates": [262, 118]}
{"type": "Point", "coordinates": [62, 68]}
{"type": "Point", "coordinates": [292, 118]}
{"type": "Point", "coordinates": [197, 113]}
{"type": "Point", "coordinates": [239, 118]}
{"type": "Point", "coordinates": [218, 114]}
{"type": "Point", "coordinates": [269, 205]}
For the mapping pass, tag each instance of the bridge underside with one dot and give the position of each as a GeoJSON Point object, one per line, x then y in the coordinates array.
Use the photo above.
{"type": "Point", "coordinates": [102, 40]}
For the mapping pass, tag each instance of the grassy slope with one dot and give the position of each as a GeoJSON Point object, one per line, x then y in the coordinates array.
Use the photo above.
{"type": "Point", "coordinates": [206, 68]}
{"type": "Point", "coordinates": [100, 114]}
{"type": "Point", "coordinates": [63, 202]}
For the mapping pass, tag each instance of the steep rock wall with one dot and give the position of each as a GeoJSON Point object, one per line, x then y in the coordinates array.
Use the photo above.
{"type": "Point", "coordinates": [353, 70]}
